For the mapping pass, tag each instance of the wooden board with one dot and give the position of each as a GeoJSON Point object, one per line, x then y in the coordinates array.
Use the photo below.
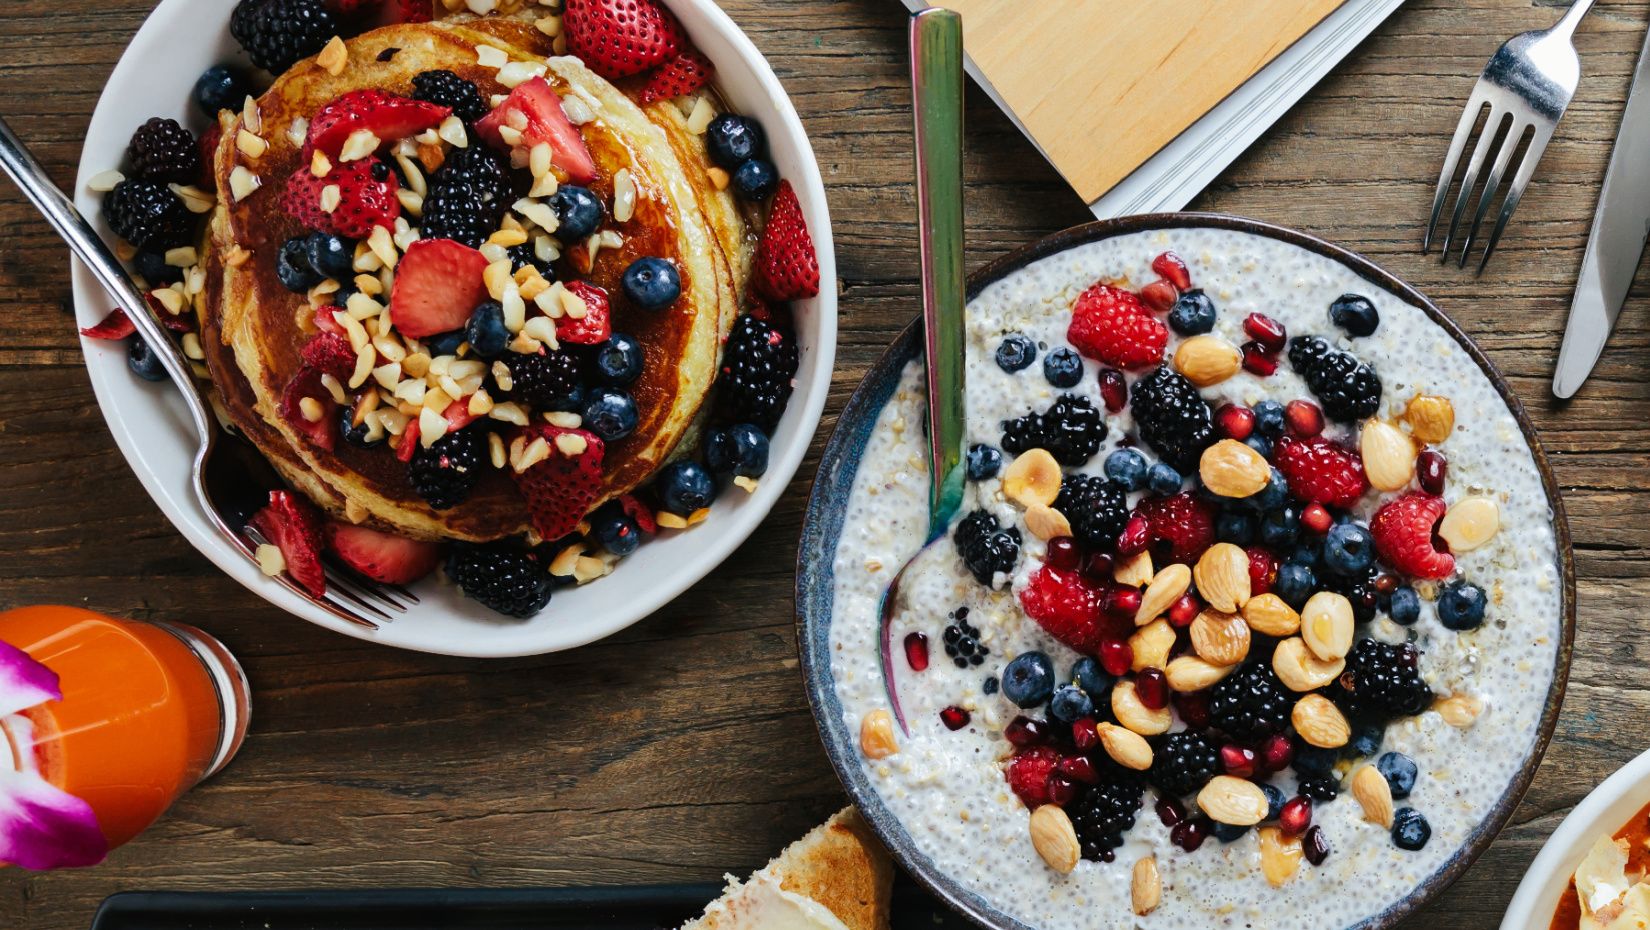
{"type": "Point", "coordinates": [1102, 85]}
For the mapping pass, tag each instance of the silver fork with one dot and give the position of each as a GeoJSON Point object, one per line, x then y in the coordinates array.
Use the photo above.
{"type": "Point", "coordinates": [1526, 86]}
{"type": "Point", "coordinates": [231, 479]}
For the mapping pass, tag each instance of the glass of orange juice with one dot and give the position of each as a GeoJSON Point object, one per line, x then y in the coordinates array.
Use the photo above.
{"type": "Point", "coordinates": [103, 724]}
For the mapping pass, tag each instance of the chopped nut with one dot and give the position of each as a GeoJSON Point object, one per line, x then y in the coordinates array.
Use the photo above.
{"type": "Point", "coordinates": [1045, 522]}
{"type": "Point", "coordinates": [1469, 523]}
{"type": "Point", "coordinates": [1152, 644]}
{"type": "Point", "coordinates": [1300, 670]}
{"type": "Point", "coordinates": [1431, 418]}
{"type": "Point", "coordinates": [1280, 856]}
{"type": "Point", "coordinates": [333, 57]}
{"type": "Point", "coordinates": [1134, 571]}
{"type": "Point", "coordinates": [270, 560]}
{"type": "Point", "coordinates": [1459, 710]}
{"type": "Point", "coordinates": [1126, 707]}
{"type": "Point", "coordinates": [1326, 625]}
{"type": "Point", "coordinates": [1032, 478]}
{"type": "Point", "coordinates": [104, 181]}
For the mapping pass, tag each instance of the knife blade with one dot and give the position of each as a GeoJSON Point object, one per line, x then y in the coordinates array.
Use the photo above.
{"type": "Point", "coordinates": [1616, 242]}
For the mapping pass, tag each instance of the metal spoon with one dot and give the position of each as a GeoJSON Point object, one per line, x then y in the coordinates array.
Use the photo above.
{"type": "Point", "coordinates": [937, 92]}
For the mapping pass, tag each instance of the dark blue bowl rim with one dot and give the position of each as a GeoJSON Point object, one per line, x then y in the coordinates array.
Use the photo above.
{"type": "Point", "coordinates": [822, 527]}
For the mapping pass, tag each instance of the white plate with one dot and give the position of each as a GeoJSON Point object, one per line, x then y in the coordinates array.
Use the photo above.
{"type": "Point", "coordinates": [181, 39]}
{"type": "Point", "coordinates": [1601, 813]}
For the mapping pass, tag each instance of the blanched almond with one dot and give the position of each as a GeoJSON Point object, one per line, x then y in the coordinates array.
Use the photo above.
{"type": "Point", "coordinates": [1300, 670]}
{"type": "Point", "coordinates": [1222, 576]}
{"type": "Point", "coordinates": [1326, 625]}
{"type": "Point", "coordinates": [1388, 454]}
{"type": "Point", "coordinates": [1032, 478]}
{"type": "Point", "coordinates": [1054, 838]}
{"type": "Point", "coordinates": [1145, 887]}
{"type": "Point", "coordinates": [1320, 722]}
{"type": "Point", "coordinates": [1271, 615]}
{"type": "Point", "coordinates": [1220, 638]}
{"type": "Point", "coordinates": [876, 735]}
{"type": "Point", "coordinates": [1165, 588]}
{"type": "Point", "coordinates": [1280, 856]}
{"type": "Point", "coordinates": [1236, 802]}
{"type": "Point", "coordinates": [1431, 418]}
{"type": "Point", "coordinates": [1126, 747]}
{"type": "Point", "coordinates": [1459, 710]}
{"type": "Point", "coordinates": [1151, 644]}
{"type": "Point", "coordinates": [1374, 795]}
{"type": "Point", "coordinates": [1232, 469]}
{"type": "Point", "coordinates": [1046, 523]}
{"type": "Point", "coordinates": [1207, 360]}
{"type": "Point", "coordinates": [1469, 523]}
{"type": "Point", "coordinates": [1190, 673]}
{"type": "Point", "coordinates": [1133, 571]}
{"type": "Point", "coordinates": [1126, 707]}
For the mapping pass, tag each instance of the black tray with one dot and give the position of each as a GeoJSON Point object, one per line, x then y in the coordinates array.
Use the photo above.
{"type": "Point", "coordinates": [625, 907]}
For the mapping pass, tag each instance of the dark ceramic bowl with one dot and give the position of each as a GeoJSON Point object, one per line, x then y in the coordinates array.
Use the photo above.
{"type": "Point", "coordinates": [815, 583]}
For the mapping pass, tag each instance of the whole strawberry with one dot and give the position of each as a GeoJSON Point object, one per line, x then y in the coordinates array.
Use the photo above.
{"type": "Point", "coordinates": [681, 75]}
{"type": "Point", "coordinates": [563, 487]}
{"type": "Point", "coordinates": [1320, 470]}
{"type": "Point", "coordinates": [619, 38]}
{"type": "Point", "coordinates": [365, 199]}
{"type": "Point", "coordinates": [787, 267]}
{"type": "Point", "coordinates": [1403, 531]}
{"type": "Point", "coordinates": [1113, 325]}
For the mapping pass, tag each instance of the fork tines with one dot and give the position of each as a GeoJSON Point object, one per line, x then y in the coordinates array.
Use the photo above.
{"type": "Point", "coordinates": [1510, 127]}
{"type": "Point", "coordinates": [349, 595]}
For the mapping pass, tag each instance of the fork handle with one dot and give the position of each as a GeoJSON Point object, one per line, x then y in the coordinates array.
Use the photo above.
{"type": "Point", "coordinates": [89, 247]}
{"type": "Point", "coordinates": [1566, 26]}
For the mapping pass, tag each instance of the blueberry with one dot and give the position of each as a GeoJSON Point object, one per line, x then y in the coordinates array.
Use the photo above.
{"type": "Point", "coordinates": [445, 343]}
{"type": "Point", "coordinates": [1070, 704]}
{"type": "Point", "coordinates": [578, 212]}
{"type": "Point", "coordinates": [1272, 496]}
{"type": "Point", "coordinates": [1063, 367]}
{"type": "Point", "coordinates": [1029, 680]}
{"type": "Point", "coordinates": [618, 361]}
{"type": "Point", "coordinates": [1366, 739]}
{"type": "Point", "coordinates": [1355, 314]}
{"type": "Point", "coordinates": [610, 414]}
{"type": "Point", "coordinates": [616, 532]}
{"type": "Point", "coordinates": [990, 686]}
{"type": "Point", "coordinates": [1260, 444]}
{"type": "Point", "coordinates": [486, 332]}
{"type": "Point", "coordinates": [143, 361]}
{"type": "Point", "coordinates": [1269, 419]}
{"type": "Point", "coordinates": [755, 180]}
{"type": "Point", "coordinates": [1193, 314]}
{"type": "Point", "coordinates": [1015, 353]}
{"type": "Point", "coordinates": [356, 434]}
{"type": "Point", "coordinates": [1092, 677]}
{"type": "Point", "coordinates": [330, 256]}
{"type": "Point", "coordinates": [983, 462]}
{"type": "Point", "coordinates": [1405, 606]}
{"type": "Point", "coordinates": [1306, 554]}
{"type": "Point", "coordinates": [741, 449]}
{"type": "Point", "coordinates": [733, 140]}
{"type": "Point", "coordinates": [1280, 526]}
{"type": "Point", "coordinates": [652, 283]}
{"type": "Point", "coordinates": [1128, 468]}
{"type": "Point", "coordinates": [1461, 606]}
{"type": "Point", "coordinates": [292, 266]}
{"type": "Point", "coordinates": [152, 266]}
{"type": "Point", "coordinates": [1163, 480]}
{"type": "Point", "coordinates": [1348, 549]}
{"type": "Point", "coordinates": [685, 487]}
{"type": "Point", "coordinates": [1235, 527]}
{"type": "Point", "coordinates": [1399, 771]}
{"type": "Point", "coordinates": [1294, 584]}
{"type": "Point", "coordinates": [1275, 799]}
{"type": "Point", "coordinates": [1227, 833]}
{"type": "Point", "coordinates": [219, 88]}
{"type": "Point", "coordinates": [1314, 761]}
{"type": "Point", "coordinates": [1410, 829]}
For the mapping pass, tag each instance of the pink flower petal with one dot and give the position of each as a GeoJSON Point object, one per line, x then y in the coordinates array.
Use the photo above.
{"type": "Point", "coordinates": [23, 681]}
{"type": "Point", "coordinates": [44, 827]}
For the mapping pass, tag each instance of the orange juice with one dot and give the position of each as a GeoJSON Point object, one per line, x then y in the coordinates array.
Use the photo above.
{"type": "Point", "coordinates": [148, 710]}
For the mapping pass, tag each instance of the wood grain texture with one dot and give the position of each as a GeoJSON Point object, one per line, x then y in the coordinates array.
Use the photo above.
{"type": "Point", "coordinates": [682, 748]}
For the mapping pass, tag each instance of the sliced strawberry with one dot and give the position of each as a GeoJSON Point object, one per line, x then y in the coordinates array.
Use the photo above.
{"type": "Point", "coordinates": [437, 286]}
{"type": "Point", "coordinates": [1028, 773]}
{"type": "Point", "coordinates": [787, 267]}
{"type": "Point", "coordinates": [382, 556]}
{"type": "Point", "coordinates": [390, 117]}
{"type": "Point", "coordinates": [117, 325]}
{"type": "Point", "coordinates": [1404, 529]}
{"type": "Point", "coordinates": [176, 322]}
{"type": "Point", "coordinates": [458, 415]}
{"type": "Point", "coordinates": [679, 76]}
{"type": "Point", "coordinates": [1066, 607]}
{"type": "Point", "coordinates": [323, 432]}
{"type": "Point", "coordinates": [365, 201]}
{"type": "Point", "coordinates": [331, 354]}
{"type": "Point", "coordinates": [561, 489]}
{"type": "Point", "coordinates": [208, 143]}
{"type": "Point", "coordinates": [639, 512]}
{"type": "Point", "coordinates": [327, 322]}
{"type": "Point", "coordinates": [1112, 324]}
{"type": "Point", "coordinates": [619, 38]}
{"type": "Point", "coordinates": [1182, 526]}
{"type": "Point", "coordinates": [293, 526]}
{"type": "Point", "coordinates": [545, 120]}
{"type": "Point", "coordinates": [597, 323]}
{"type": "Point", "coordinates": [1320, 471]}
{"type": "Point", "coordinates": [416, 11]}
{"type": "Point", "coordinates": [408, 445]}
{"type": "Point", "coordinates": [350, 9]}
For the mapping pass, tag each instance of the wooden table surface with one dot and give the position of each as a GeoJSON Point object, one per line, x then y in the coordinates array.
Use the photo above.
{"type": "Point", "coordinates": [682, 748]}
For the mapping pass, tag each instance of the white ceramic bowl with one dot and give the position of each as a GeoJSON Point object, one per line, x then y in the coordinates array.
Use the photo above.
{"type": "Point", "coordinates": [154, 78]}
{"type": "Point", "coordinates": [1601, 813]}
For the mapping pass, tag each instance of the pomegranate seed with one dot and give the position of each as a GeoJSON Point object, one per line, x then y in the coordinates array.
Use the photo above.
{"type": "Point", "coordinates": [1189, 834]}
{"type": "Point", "coordinates": [1304, 418]}
{"type": "Point", "coordinates": [1113, 390]}
{"type": "Point", "coordinates": [1257, 361]}
{"type": "Point", "coordinates": [1116, 657]}
{"type": "Point", "coordinates": [1316, 519]}
{"type": "Point", "coordinates": [1123, 601]}
{"type": "Point", "coordinates": [1170, 266]}
{"type": "Point", "coordinates": [1430, 469]}
{"type": "Point", "coordinates": [1152, 687]}
{"type": "Point", "coordinates": [1314, 846]}
{"type": "Point", "coordinates": [1184, 610]}
{"type": "Point", "coordinates": [1079, 768]}
{"type": "Point", "coordinates": [1063, 554]}
{"type": "Point", "coordinates": [1025, 731]}
{"type": "Point", "coordinates": [1136, 534]}
{"type": "Point", "coordinates": [954, 718]}
{"type": "Point", "coordinates": [1296, 815]}
{"type": "Point", "coordinates": [1170, 811]}
{"type": "Point", "coordinates": [1386, 583]}
{"type": "Point", "coordinates": [1097, 569]}
{"type": "Point", "coordinates": [1084, 735]}
{"type": "Point", "coordinates": [1194, 708]}
{"type": "Point", "coordinates": [1237, 760]}
{"type": "Point", "coordinates": [1061, 789]}
{"type": "Point", "coordinates": [1160, 295]}
{"type": "Point", "coordinates": [1235, 421]}
{"type": "Point", "coordinates": [916, 651]}
{"type": "Point", "coordinates": [1268, 332]}
{"type": "Point", "coordinates": [1276, 753]}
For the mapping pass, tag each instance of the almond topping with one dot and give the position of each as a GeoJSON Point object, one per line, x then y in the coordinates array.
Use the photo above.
{"type": "Point", "coordinates": [1231, 469]}
{"type": "Point", "coordinates": [333, 57]}
{"type": "Point", "coordinates": [1128, 748]}
{"type": "Point", "coordinates": [1032, 478]}
{"type": "Point", "coordinates": [1220, 638]}
{"type": "Point", "coordinates": [1151, 644]}
{"type": "Point", "coordinates": [1222, 576]}
{"type": "Point", "coordinates": [1046, 522]}
{"type": "Point", "coordinates": [1280, 856]}
{"type": "Point", "coordinates": [1459, 710]}
{"type": "Point", "coordinates": [876, 735]}
{"type": "Point", "coordinates": [1300, 670]}
{"type": "Point", "coordinates": [1126, 707]}
{"type": "Point", "coordinates": [1207, 360]}
{"type": "Point", "coordinates": [1134, 571]}
{"type": "Point", "coordinates": [1054, 838]}
{"type": "Point", "coordinates": [1326, 625]}
{"type": "Point", "coordinates": [1236, 802]}
{"type": "Point", "coordinates": [1431, 418]}
{"type": "Point", "coordinates": [1374, 795]}
{"type": "Point", "coordinates": [1270, 615]}
{"type": "Point", "coordinates": [1320, 722]}
{"type": "Point", "coordinates": [1145, 888]}
{"type": "Point", "coordinates": [1190, 673]}
{"type": "Point", "coordinates": [1165, 588]}
{"type": "Point", "coordinates": [1388, 454]}
{"type": "Point", "coordinates": [1469, 523]}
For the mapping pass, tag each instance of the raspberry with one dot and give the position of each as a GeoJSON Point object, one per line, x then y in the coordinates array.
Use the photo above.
{"type": "Point", "coordinates": [1250, 704]}
{"type": "Point", "coordinates": [1183, 763]}
{"type": "Point", "coordinates": [1321, 471]}
{"type": "Point", "coordinates": [1105, 812]}
{"type": "Point", "coordinates": [163, 151]}
{"type": "Point", "coordinates": [1028, 774]}
{"type": "Point", "coordinates": [1070, 429]}
{"type": "Point", "coordinates": [1348, 389]}
{"type": "Point", "coordinates": [985, 547]}
{"type": "Point", "coordinates": [1403, 530]}
{"type": "Point", "coordinates": [1172, 418]}
{"type": "Point", "coordinates": [1114, 326]}
{"type": "Point", "coordinates": [1181, 526]}
{"type": "Point", "coordinates": [758, 365]}
{"type": "Point", "coordinates": [1096, 507]}
{"type": "Point", "coordinates": [1382, 681]}
{"type": "Point", "coordinates": [1070, 610]}
{"type": "Point", "coordinates": [447, 89]}
{"type": "Point", "coordinates": [501, 577]}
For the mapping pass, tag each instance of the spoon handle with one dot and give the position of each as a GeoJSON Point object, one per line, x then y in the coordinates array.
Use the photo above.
{"type": "Point", "coordinates": [937, 92]}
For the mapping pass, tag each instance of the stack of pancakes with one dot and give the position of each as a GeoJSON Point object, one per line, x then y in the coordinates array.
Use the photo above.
{"type": "Point", "coordinates": [253, 328]}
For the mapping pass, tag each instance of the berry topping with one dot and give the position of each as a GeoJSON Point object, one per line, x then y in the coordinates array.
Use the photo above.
{"type": "Point", "coordinates": [1399, 771]}
{"type": "Point", "coordinates": [1193, 314]}
{"type": "Point", "coordinates": [1015, 353]}
{"type": "Point", "coordinates": [618, 361]}
{"type": "Point", "coordinates": [1063, 368]}
{"type": "Point", "coordinates": [1354, 313]}
{"type": "Point", "coordinates": [1250, 704]}
{"type": "Point", "coordinates": [1173, 269]}
{"type": "Point", "coordinates": [619, 38]}
{"type": "Point", "coordinates": [651, 283]}
{"type": "Point", "coordinates": [1070, 429]}
{"type": "Point", "coordinates": [731, 140]}
{"type": "Point", "coordinates": [786, 266]}
{"type": "Point", "coordinates": [501, 577]}
{"type": "Point", "coordinates": [1114, 391]}
{"type": "Point", "coordinates": [1461, 606]}
{"type": "Point", "coordinates": [163, 151]}
{"type": "Point", "coordinates": [461, 212]}
{"type": "Point", "coordinates": [1097, 508]}
{"type": "Point", "coordinates": [1068, 609]}
{"type": "Point", "coordinates": [916, 650]}
{"type": "Point", "coordinates": [1348, 389]}
{"type": "Point", "coordinates": [986, 548]}
{"type": "Point", "coordinates": [578, 212]}
{"type": "Point", "coordinates": [148, 215]}
{"type": "Point", "coordinates": [1105, 812]}
{"type": "Point", "coordinates": [740, 449]}
{"type": "Point", "coordinates": [382, 556]}
{"type": "Point", "coordinates": [545, 121]}
{"type": "Point", "coordinates": [307, 406]}
{"type": "Point", "coordinates": [1111, 324]}
{"type": "Point", "coordinates": [954, 718]}
{"type": "Point", "coordinates": [685, 487]}
{"type": "Point", "coordinates": [1028, 681]}
{"type": "Point", "coordinates": [610, 413]}
{"type": "Point", "coordinates": [446, 89]}
{"type": "Point", "coordinates": [1382, 681]}
{"type": "Point", "coordinates": [561, 488]}
{"type": "Point", "coordinates": [366, 198]}
{"type": "Point", "coordinates": [1257, 361]}
{"type": "Point", "coordinates": [983, 462]}
{"type": "Point", "coordinates": [292, 266]}
{"type": "Point", "coordinates": [437, 285]}
{"type": "Point", "coordinates": [329, 353]}
{"type": "Point", "coordinates": [546, 380]}
{"type": "Point", "coordinates": [388, 117]}
{"type": "Point", "coordinates": [116, 326]}
{"type": "Point", "coordinates": [1404, 538]}
{"type": "Point", "coordinates": [278, 33]}
{"type": "Point", "coordinates": [1320, 471]}
{"type": "Point", "coordinates": [1410, 829]}
{"type": "Point", "coordinates": [1430, 471]}
{"type": "Point", "coordinates": [445, 472]}
{"type": "Point", "coordinates": [1348, 551]}
{"type": "Point", "coordinates": [1183, 763]}
{"type": "Point", "coordinates": [292, 525]}
{"type": "Point", "coordinates": [1179, 527]}
{"type": "Point", "coordinates": [1269, 333]}
{"type": "Point", "coordinates": [219, 88]}
{"type": "Point", "coordinates": [1128, 468]}
{"type": "Point", "coordinates": [678, 76]}
{"type": "Point", "coordinates": [1028, 774]}
{"type": "Point", "coordinates": [758, 365]}
{"type": "Point", "coordinates": [1172, 418]}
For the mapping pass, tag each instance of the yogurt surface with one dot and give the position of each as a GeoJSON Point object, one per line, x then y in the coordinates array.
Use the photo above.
{"type": "Point", "coordinates": [948, 787]}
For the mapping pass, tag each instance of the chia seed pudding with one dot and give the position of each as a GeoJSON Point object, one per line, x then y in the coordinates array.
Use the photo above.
{"type": "Point", "coordinates": [1399, 751]}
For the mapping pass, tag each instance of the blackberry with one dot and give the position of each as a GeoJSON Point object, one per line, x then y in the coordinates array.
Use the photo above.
{"type": "Point", "coordinates": [501, 576]}
{"type": "Point", "coordinates": [758, 364]}
{"type": "Point", "coordinates": [985, 547]}
{"type": "Point", "coordinates": [148, 215]}
{"type": "Point", "coordinates": [162, 151]}
{"type": "Point", "coordinates": [546, 380]}
{"type": "Point", "coordinates": [523, 255]}
{"type": "Point", "coordinates": [1105, 812]}
{"type": "Point", "coordinates": [446, 472]}
{"type": "Point", "coordinates": [1097, 508]}
{"type": "Point", "coordinates": [1382, 681]}
{"type": "Point", "coordinates": [962, 641]}
{"type": "Point", "coordinates": [446, 89]}
{"type": "Point", "coordinates": [1250, 704]}
{"type": "Point", "coordinates": [1172, 418]}
{"type": "Point", "coordinates": [1070, 429]}
{"type": "Point", "coordinates": [1347, 389]}
{"type": "Point", "coordinates": [1358, 589]}
{"type": "Point", "coordinates": [1183, 763]}
{"type": "Point", "coordinates": [1320, 787]}
{"type": "Point", "coordinates": [278, 33]}
{"type": "Point", "coordinates": [478, 167]}
{"type": "Point", "coordinates": [460, 211]}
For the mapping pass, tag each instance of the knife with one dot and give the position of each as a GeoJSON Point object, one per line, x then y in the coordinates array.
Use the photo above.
{"type": "Point", "coordinates": [1615, 243]}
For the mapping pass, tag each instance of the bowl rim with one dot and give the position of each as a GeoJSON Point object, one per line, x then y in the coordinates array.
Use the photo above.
{"type": "Point", "coordinates": [116, 397]}
{"type": "Point", "coordinates": [839, 462]}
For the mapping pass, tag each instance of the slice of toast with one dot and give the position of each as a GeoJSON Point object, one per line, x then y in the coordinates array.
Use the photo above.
{"type": "Point", "coordinates": [838, 877]}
